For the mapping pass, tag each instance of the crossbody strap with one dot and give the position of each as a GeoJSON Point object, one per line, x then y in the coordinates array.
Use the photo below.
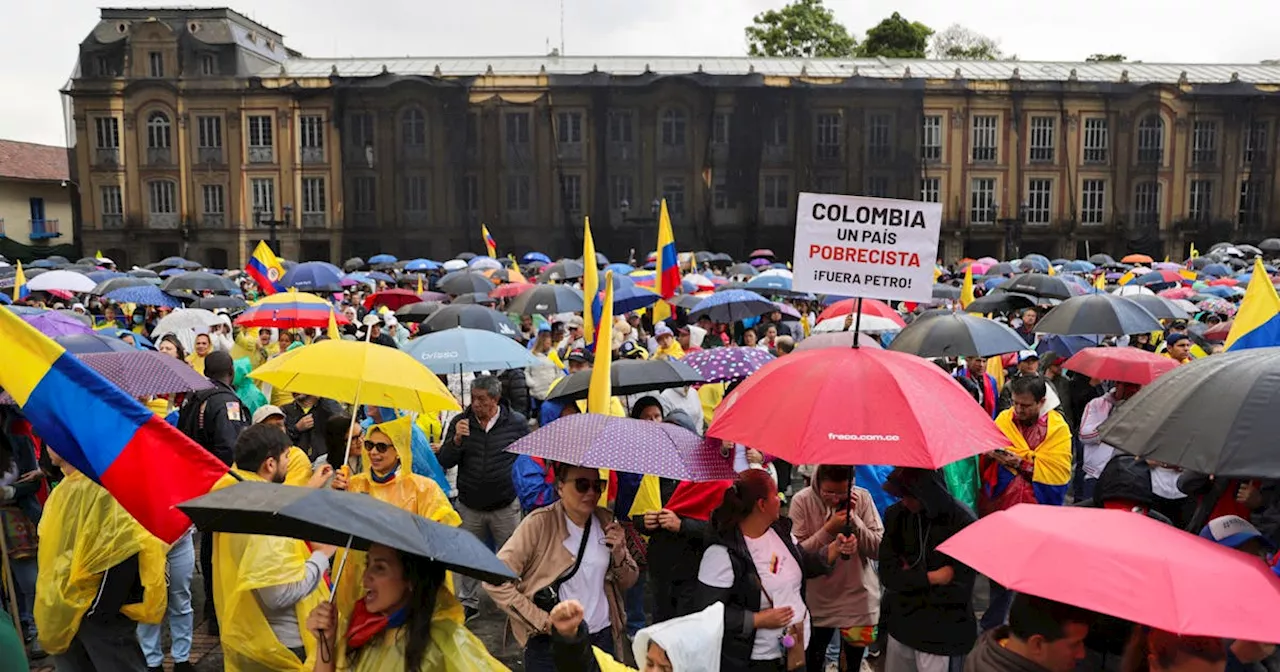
{"type": "Point", "coordinates": [577, 561]}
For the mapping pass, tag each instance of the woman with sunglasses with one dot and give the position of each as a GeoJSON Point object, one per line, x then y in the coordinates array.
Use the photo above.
{"type": "Point", "coordinates": [556, 562]}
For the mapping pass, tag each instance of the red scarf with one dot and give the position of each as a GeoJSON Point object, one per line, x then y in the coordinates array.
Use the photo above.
{"type": "Point", "coordinates": [366, 625]}
{"type": "Point", "coordinates": [697, 500]}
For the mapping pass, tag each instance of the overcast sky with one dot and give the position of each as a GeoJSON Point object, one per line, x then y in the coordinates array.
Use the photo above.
{"type": "Point", "coordinates": [39, 48]}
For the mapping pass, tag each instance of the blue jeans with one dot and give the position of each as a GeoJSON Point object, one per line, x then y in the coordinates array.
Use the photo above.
{"type": "Point", "coordinates": [24, 579]}
{"type": "Point", "coordinates": [997, 613]}
{"type": "Point", "coordinates": [635, 606]}
{"type": "Point", "coordinates": [180, 567]}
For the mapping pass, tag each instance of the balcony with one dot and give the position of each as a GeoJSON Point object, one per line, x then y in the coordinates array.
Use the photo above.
{"type": "Point", "coordinates": [415, 219]}
{"type": "Point", "coordinates": [413, 153]}
{"type": "Point", "coordinates": [106, 156]}
{"type": "Point", "coordinates": [312, 155]}
{"type": "Point", "coordinates": [113, 221]}
{"type": "Point", "coordinates": [44, 229]}
{"type": "Point", "coordinates": [213, 220]}
{"type": "Point", "coordinates": [159, 156]}
{"type": "Point", "coordinates": [623, 151]}
{"type": "Point", "coordinates": [673, 153]}
{"type": "Point", "coordinates": [209, 155]}
{"type": "Point", "coordinates": [519, 154]}
{"type": "Point", "coordinates": [162, 220]}
{"type": "Point", "coordinates": [314, 220]}
{"type": "Point", "coordinates": [570, 151]}
{"type": "Point", "coordinates": [775, 153]}
{"type": "Point", "coordinates": [261, 154]}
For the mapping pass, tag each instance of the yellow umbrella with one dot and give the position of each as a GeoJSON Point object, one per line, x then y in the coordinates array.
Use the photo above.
{"type": "Point", "coordinates": [358, 372]}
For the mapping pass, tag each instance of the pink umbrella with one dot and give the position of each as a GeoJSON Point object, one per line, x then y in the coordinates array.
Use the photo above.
{"type": "Point", "coordinates": [1177, 293]}
{"type": "Point", "coordinates": [980, 267]}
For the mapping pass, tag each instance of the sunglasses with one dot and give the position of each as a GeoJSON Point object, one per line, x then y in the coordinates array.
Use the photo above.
{"type": "Point", "coordinates": [377, 446]}
{"type": "Point", "coordinates": [583, 485]}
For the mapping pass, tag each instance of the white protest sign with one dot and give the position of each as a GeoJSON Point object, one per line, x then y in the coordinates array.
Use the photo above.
{"type": "Point", "coordinates": [881, 248]}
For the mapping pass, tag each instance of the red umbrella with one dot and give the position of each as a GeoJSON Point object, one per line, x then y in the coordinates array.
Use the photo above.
{"type": "Point", "coordinates": [1127, 365]}
{"type": "Point", "coordinates": [511, 290]}
{"type": "Point", "coordinates": [1177, 293]}
{"type": "Point", "coordinates": [856, 406]}
{"type": "Point", "coordinates": [1224, 282]}
{"type": "Point", "coordinates": [1218, 332]}
{"type": "Point", "coordinates": [838, 339]}
{"type": "Point", "coordinates": [869, 307]}
{"type": "Point", "coordinates": [1126, 565]}
{"type": "Point", "coordinates": [1164, 276]}
{"type": "Point", "coordinates": [394, 299]}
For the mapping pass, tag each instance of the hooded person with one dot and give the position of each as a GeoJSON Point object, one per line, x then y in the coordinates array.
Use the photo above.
{"type": "Point", "coordinates": [250, 396]}
{"type": "Point", "coordinates": [686, 644]}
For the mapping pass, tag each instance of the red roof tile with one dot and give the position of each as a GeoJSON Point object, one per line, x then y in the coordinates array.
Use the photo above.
{"type": "Point", "coordinates": [29, 161]}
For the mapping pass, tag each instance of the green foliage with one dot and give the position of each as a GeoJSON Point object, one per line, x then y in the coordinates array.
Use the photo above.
{"type": "Point", "coordinates": [804, 28]}
{"type": "Point", "coordinates": [896, 37]}
{"type": "Point", "coordinates": [958, 43]}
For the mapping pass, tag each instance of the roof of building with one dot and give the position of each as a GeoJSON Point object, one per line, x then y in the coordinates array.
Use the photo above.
{"type": "Point", "coordinates": [29, 161]}
{"type": "Point", "coordinates": [184, 14]}
{"type": "Point", "coordinates": [880, 68]}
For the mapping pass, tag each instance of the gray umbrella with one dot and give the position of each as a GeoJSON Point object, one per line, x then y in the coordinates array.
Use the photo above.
{"type": "Point", "coordinates": [630, 377]}
{"type": "Point", "coordinates": [1215, 415]}
{"type": "Point", "coordinates": [999, 301]}
{"type": "Point", "coordinates": [1159, 306]}
{"type": "Point", "coordinates": [1098, 314]}
{"type": "Point", "coordinates": [940, 333]}
{"type": "Point", "coordinates": [1038, 285]}
{"type": "Point", "coordinates": [548, 300]}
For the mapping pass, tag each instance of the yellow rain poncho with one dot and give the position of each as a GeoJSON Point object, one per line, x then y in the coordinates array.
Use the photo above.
{"type": "Point", "coordinates": [453, 649]}
{"type": "Point", "coordinates": [84, 532]}
{"type": "Point", "coordinates": [298, 470]}
{"type": "Point", "coordinates": [243, 563]}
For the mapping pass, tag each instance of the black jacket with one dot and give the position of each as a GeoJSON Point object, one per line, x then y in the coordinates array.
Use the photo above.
{"type": "Point", "coordinates": [484, 465]}
{"type": "Point", "coordinates": [311, 441]}
{"type": "Point", "coordinates": [742, 599]}
{"type": "Point", "coordinates": [515, 390]}
{"type": "Point", "coordinates": [220, 418]}
{"type": "Point", "coordinates": [932, 619]}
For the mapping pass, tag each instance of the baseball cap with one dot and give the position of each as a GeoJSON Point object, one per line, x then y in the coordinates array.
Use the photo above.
{"type": "Point", "coordinates": [630, 350]}
{"type": "Point", "coordinates": [577, 355]}
{"type": "Point", "coordinates": [1024, 355]}
{"type": "Point", "coordinates": [1176, 338]}
{"type": "Point", "coordinates": [265, 412]}
{"type": "Point", "coordinates": [574, 322]}
{"type": "Point", "coordinates": [1178, 324]}
{"type": "Point", "coordinates": [1233, 531]}
{"type": "Point", "coordinates": [662, 330]}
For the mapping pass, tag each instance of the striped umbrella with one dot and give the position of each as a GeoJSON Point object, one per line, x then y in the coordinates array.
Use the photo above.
{"type": "Point", "coordinates": [289, 310]}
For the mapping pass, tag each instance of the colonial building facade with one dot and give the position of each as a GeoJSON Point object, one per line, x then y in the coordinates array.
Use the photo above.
{"type": "Point", "coordinates": [198, 132]}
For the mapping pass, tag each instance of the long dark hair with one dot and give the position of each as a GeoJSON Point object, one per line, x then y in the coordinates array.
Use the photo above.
{"type": "Point", "coordinates": [1168, 648]}
{"type": "Point", "coordinates": [182, 352]}
{"type": "Point", "coordinates": [740, 499]}
{"type": "Point", "coordinates": [425, 577]}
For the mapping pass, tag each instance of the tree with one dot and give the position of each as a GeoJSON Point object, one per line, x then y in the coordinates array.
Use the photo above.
{"type": "Point", "coordinates": [1107, 58]}
{"type": "Point", "coordinates": [958, 43]}
{"type": "Point", "coordinates": [802, 29]}
{"type": "Point", "coordinates": [896, 37]}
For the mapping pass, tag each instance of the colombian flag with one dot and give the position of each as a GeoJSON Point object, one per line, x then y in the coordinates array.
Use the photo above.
{"type": "Point", "coordinates": [966, 288]}
{"type": "Point", "coordinates": [489, 243]}
{"type": "Point", "coordinates": [668, 277]}
{"type": "Point", "coordinates": [143, 461]}
{"type": "Point", "coordinates": [591, 316]}
{"type": "Point", "coordinates": [1257, 325]}
{"type": "Point", "coordinates": [20, 290]}
{"type": "Point", "coordinates": [265, 268]}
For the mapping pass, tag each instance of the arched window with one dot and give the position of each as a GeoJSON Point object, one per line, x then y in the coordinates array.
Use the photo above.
{"type": "Point", "coordinates": [674, 126]}
{"type": "Point", "coordinates": [158, 130]}
{"type": "Point", "coordinates": [1151, 139]}
{"type": "Point", "coordinates": [413, 125]}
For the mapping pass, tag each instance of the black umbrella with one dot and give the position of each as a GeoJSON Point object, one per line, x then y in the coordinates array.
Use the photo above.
{"type": "Point", "coordinates": [630, 377]}
{"type": "Point", "coordinates": [1038, 285]}
{"type": "Point", "coordinates": [1000, 302]}
{"type": "Point", "coordinates": [1271, 245]}
{"type": "Point", "coordinates": [471, 316]}
{"type": "Point", "coordinates": [352, 265]}
{"type": "Point", "coordinates": [1159, 306]}
{"type": "Point", "coordinates": [465, 282]}
{"type": "Point", "coordinates": [1215, 415]}
{"type": "Point", "coordinates": [466, 256]}
{"type": "Point", "coordinates": [417, 312]}
{"type": "Point", "coordinates": [946, 292]}
{"type": "Point", "coordinates": [107, 286]}
{"type": "Point", "coordinates": [231, 304]}
{"type": "Point", "coordinates": [334, 517]}
{"type": "Point", "coordinates": [686, 301]}
{"type": "Point", "coordinates": [142, 273]}
{"type": "Point", "coordinates": [474, 298]}
{"type": "Point", "coordinates": [199, 282]}
{"type": "Point", "coordinates": [1102, 260]}
{"type": "Point", "coordinates": [601, 260]}
{"type": "Point", "coordinates": [83, 344]}
{"type": "Point", "coordinates": [1002, 268]}
{"type": "Point", "coordinates": [565, 269]}
{"type": "Point", "coordinates": [548, 300]}
{"type": "Point", "coordinates": [940, 333]}
{"type": "Point", "coordinates": [1098, 314]}
{"type": "Point", "coordinates": [742, 269]}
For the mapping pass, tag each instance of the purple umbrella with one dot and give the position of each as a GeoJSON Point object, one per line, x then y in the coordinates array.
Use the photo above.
{"type": "Point", "coordinates": [720, 365]}
{"type": "Point", "coordinates": [141, 373]}
{"type": "Point", "coordinates": [787, 310]}
{"type": "Point", "coordinates": [624, 444]}
{"type": "Point", "coordinates": [53, 324]}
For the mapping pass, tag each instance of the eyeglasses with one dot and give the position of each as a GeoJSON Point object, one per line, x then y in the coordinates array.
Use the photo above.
{"type": "Point", "coordinates": [583, 485]}
{"type": "Point", "coordinates": [377, 446]}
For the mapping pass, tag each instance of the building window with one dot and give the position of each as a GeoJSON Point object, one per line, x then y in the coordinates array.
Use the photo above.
{"type": "Point", "coordinates": [1146, 204]}
{"type": "Point", "coordinates": [673, 128]}
{"type": "Point", "coordinates": [829, 184]}
{"type": "Point", "coordinates": [1093, 199]}
{"type": "Point", "coordinates": [777, 133]}
{"type": "Point", "coordinates": [1096, 140]}
{"type": "Point", "coordinates": [620, 126]}
{"type": "Point", "coordinates": [311, 131]}
{"type": "Point", "coordinates": [777, 192]}
{"type": "Point", "coordinates": [517, 128]}
{"type": "Point", "coordinates": [517, 193]}
{"type": "Point", "coordinates": [982, 201]}
{"type": "Point", "coordinates": [360, 126]}
{"type": "Point", "coordinates": [473, 130]}
{"type": "Point", "coordinates": [1255, 143]}
{"type": "Point", "coordinates": [208, 64]}
{"type": "Point", "coordinates": [162, 197]}
{"type": "Point", "coordinates": [931, 189]}
{"type": "Point", "coordinates": [673, 194]}
{"type": "Point", "coordinates": [263, 191]}
{"type": "Point", "coordinates": [364, 194]}
{"type": "Point", "coordinates": [877, 186]}
{"type": "Point", "coordinates": [571, 193]}
{"type": "Point", "coordinates": [103, 67]}
{"type": "Point", "coordinates": [1204, 141]}
{"type": "Point", "coordinates": [720, 128]}
{"type": "Point", "coordinates": [1151, 139]}
{"type": "Point", "coordinates": [415, 193]}
{"type": "Point", "coordinates": [828, 136]}
{"type": "Point", "coordinates": [158, 130]}
{"type": "Point", "coordinates": [108, 132]}
{"type": "Point", "coordinates": [260, 131]}
{"type": "Point", "coordinates": [155, 60]}
{"type": "Point", "coordinates": [879, 137]}
{"type": "Point", "coordinates": [209, 132]}
{"type": "Point", "coordinates": [413, 127]}
{"type": "Point", "coordinates": [985, 138]}
{"type": "Point", "coordinates": [313, 200]}
{"type": "Point", "coordinates": [212, 201]}
{"type": "Point", "coordinates": [1042, 139]}
{"type": "Point", "coordinates": [569, 128]}
{"type": "Point", "coordinates": [470, 194]}
{"type": "Point", "coordinates": [1250, 212]}
{"type": "Point", "coordinates": [1039, 201]}
{"type": "Point", "coordinates": [931, 138]}
{"type": "Point", "coordinates": [720, 196]}
{"type": "Point", "coordinates": [1200, 205]}
{"type": "Point", "coordinates": [112, 200]}
{"type": "Point", "coordinates": [620, 191]}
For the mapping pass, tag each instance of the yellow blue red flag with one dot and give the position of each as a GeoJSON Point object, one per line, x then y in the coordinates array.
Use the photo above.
{"type": "Point", "coordinates": [265, 268]}
{"type": "Point", "coordinates": [667, 278]}
{"type": "Point", "coordinates": [1257, 324]}
{"type": "Point", "coordinates": [20, 289]}
{"type": "Point", "coordinates": [490, 245]}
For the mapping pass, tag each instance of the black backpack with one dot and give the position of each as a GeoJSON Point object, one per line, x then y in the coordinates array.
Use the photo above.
{"type": "Point", "coordinates": [191, 413]}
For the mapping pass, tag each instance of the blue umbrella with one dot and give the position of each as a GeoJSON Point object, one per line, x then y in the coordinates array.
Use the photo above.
{"type": "Point", "coordinates": [103, 276]}
{"type": "Point", "coordinates": [1078, 267]}
{"type": "Point", "coordinates": [313, 276]}
{"type": "Point", "coordinates": [535, 257]}
{"type": "Point", "coordinates": [1037, 261]}
{"type": "Point", "coordinates": [1066, 346]}
{"type": "Point", "coordinates": [380, 276]}
{"type": "Point", "coordinates": [732, 305]}
{"type": "Point", "coordinates": [1220, 292]}
{"type": "Point", "coordinates": [170, 272]}
{"type": "Point", "coordinates": [462, 350]}
{"type": "Point", "coordinates": [628, 296]}
{"type": "Point", "coordinates": [42, 263]}
{"type": "Point", "coordinates": [144, 295]}
{"type": "Point", "coordinates": [140, 342]}
{"type": "Point", "coordinates": [418, 265]}
{"type": "Point", "coordinates": [620, 269]}
{"type": "Point", "coordinates": [991, 283]}
{"type": "Point", "coordinates": [382, 259]}
{"type": "Point", "coordinates": [1217, 270]}
{"type": "Point", "coordinates": [774, 282]}
{"type": "Point", "coordinates": [4, 298]}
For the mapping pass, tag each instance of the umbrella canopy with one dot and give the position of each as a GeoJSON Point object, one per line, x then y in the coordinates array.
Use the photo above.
{"type": "Point", "coordinates": [1126, 565]}
{"type": "Point", "coordinates": [510, 290]}
{"type": "Point", "coordinates": [391, 298]}
{"type": "Point", "coordinates": [1136, 259]}
{"type": "Point", "coordinates": [1038, 285]}
{"type": "Point", "coordinates": [353, 264]}
{"type": "Point", "coordinates": [1065, 346]}
{"type": "Point", "coordinates": [382, 259]}
{"type": "Point", "coordinates": [358, 372]}
{"type": "Point", "coordinates": [143, 296]}
{"type": "Point", "coordinates": [313, 276]}
{"type": "Point", "coordinates": [535, 257]}
{"type": "Point", "coordinates": [231, 304]}
{"type": "Point", "coordinates": [462, 350]}
{"type": "Point", "coordinates": [1098, 314]}
{"type": "Point", "coordinates": [471, 316]}
{"type": "Point", "coordinates": [67, 281]}
{"type": "Point", "coordinates": [52, 323]}
{"type": "Point", "coordinates": [290, 310]}
{"type": "Point", "coordinates": [83, 344]}
{"type": "Point", "coordinates": [185, 319]}
{"type": "Point", "coordinates": [732, 305]}
{"type": "Point", "coordinates": [837, 339]}
{"type": "Point", "coordinates": [1215, 415]}
{"type": "Point", "coordinates": [1159, 306]}
{"type": "Point", "coordinates": [721, 365]}
{"type": "Point", "coordinates": [565, 269]}
{"type": "Point", "coordinates": [548, 300]}
{"type": "Point", "coordinates": [947, 334]}
{"type": "Point", "coordinates": [629, 377]}
{"type": "Point", "coordinates": [874, 307]}
{"type": "Point", "coordinates": [628, 445]}
{"type": "Point", "coordinates": [1126, 365]}
{"type": "Point", "coordinates": [112, 284]}
{"type": "Point", "coordinates": [417, 312]}
{"type": "Point", "coordinates": [909, 413]}
{"type": "Point", "coordinates": [335, 517]}
{"type": "Point", "coordinates": [200, 282]}
{"type": "Point", "coordinates": [848, 322]}
{"type": "Point", "coordinates": [474, 297]}
{"type": "Point", "coordinates": [141, 373]}
{"type": "Point", "coordinates": [466, 282]}
{"type": "Point", "coordinates": [1000, 302]}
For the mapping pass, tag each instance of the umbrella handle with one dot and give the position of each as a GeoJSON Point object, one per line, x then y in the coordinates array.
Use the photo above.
{"type": "Point", "coordinates": [848, 521]}
{"type": "Point", "coordinates": [326, 651]}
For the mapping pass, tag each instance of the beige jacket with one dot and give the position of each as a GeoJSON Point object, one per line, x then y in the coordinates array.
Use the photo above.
{"type": "Point", "coordinates": [536, 553]}
{"type": "Point", "coordinates": [850, 594]}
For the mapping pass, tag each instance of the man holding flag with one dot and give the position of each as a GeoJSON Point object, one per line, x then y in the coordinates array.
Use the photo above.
{"type": "Point", "coordinates": [265, 268]}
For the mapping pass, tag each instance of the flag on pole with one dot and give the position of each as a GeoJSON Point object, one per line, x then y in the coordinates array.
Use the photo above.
{"type": "Point", "coordinates": [966, 288]}
{"type": "Point", "coordinates": [419, 283]}
{"type": "Point", "coordinates": [668, 277]}
{"type": "Point", "coordinates": [1257, 323]}
{"type": "Point", "coordinates": [591, 315]}
{"type": "Point", "coordinates": [1194, 252]}
{"type": "Point", "coordinates": [1051, 271]}
{"type": "Point", "coordinates": [489, 244]}
{"type": "Point", "coordinates": [600, 391]}
{"type": "Point", "coordinates": [1100, 282]}
{"type": "Point", "coordinates": [334, 334]}
{"type": "Point", "coordinates": [265, 268]}
{"type": "Point", "coordinates": [20, 289]}
{"type": "Point", "coordinates": [98, 255]}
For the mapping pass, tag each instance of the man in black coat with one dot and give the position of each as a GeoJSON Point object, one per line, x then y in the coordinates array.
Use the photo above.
{"type": "Point", "coordinates": [304, 420]}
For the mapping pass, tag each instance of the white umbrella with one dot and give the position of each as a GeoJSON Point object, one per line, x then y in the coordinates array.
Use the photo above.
{"type": "Point", "coordinates": [486, 264]}
{"type": "Point", "coordinates": [185, 323]}
{"type": "Point", "coordinates": [1131, 290]}
{"type": "Point", "coordinates": [67, 281]}
{"type": "Point", "coordinates": [1186, 305]}
{"type": "Point", "coordinates": [869, 323]}
{"type": "Point", "coordinates": [779, 272]}
{"type": "Point", "coordinates": [454, 265]}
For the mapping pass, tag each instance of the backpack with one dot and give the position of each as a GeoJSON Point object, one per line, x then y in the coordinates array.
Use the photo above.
{"type": "Point", "coordinates": [191, 414]}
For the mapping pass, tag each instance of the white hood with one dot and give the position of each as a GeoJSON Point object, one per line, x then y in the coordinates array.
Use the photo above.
{"type": "Point", "coordinates": [692, 642]}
